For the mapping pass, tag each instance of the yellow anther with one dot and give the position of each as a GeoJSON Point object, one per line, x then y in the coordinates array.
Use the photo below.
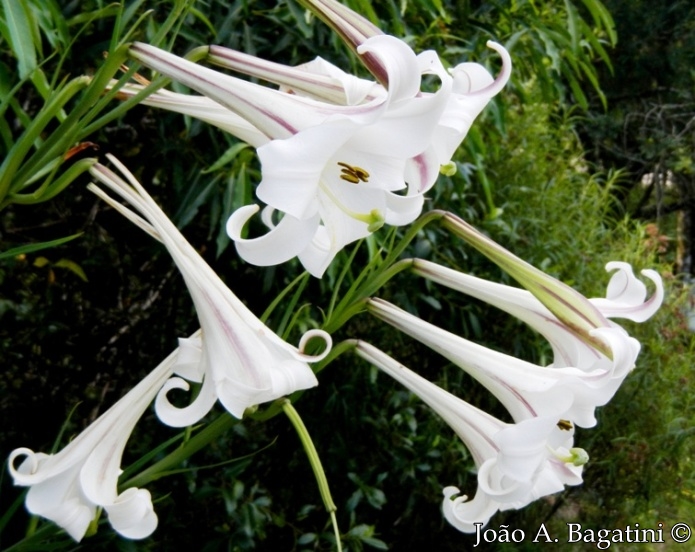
{"type": "Point", "coordinates": [351, 174]}
{"type": "Point", "coordinates": [361, 173]}
{"type": "Point", "coordinates": [565, 425]}
{"type": "Point", "coordinates": [349, 177]}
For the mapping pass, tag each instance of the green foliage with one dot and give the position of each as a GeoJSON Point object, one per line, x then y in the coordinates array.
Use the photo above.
{"type": "Point", "coordinates": [114, 306]}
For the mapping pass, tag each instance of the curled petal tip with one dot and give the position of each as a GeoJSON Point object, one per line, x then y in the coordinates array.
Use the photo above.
{"type": "Point", "coordinates": [500, 82]}
{"type": "Point", "coordinates": [314, 334]}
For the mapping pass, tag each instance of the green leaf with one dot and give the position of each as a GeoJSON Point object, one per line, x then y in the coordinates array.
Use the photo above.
{"type": "Point", "coordinates": [30, 248]}
{"type": "Point", "coordinates": [73, 267]}
{"type": "Point", "coordinates": [602, 19]}
{"type": "Point", "coordinates": [18, 18]}
{"type": "Point", "coordinates": [192, 202]}
{"type": "Point", "coordinates": [52, 22]}
{"type": "Point", "coordinates": [227, 157]}
{"type": "Point", "coordinates": [572, 25]}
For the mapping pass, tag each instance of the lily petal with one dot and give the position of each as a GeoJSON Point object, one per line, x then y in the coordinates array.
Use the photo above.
{"type": "Point", "coordinates": [525, 389]}
{"type": "Point", "coordinates": [517, 463]}
{"type": "Point", "coordinates": [242, 361]}
{"type": "Point", "coordinates": [67, 487]}
{"type": "Point", "coordinates": [286, 240]}
{"type": "Point", "coordinates": [473, 89]}
{"type": "Point", "coordinates": [626, 296]}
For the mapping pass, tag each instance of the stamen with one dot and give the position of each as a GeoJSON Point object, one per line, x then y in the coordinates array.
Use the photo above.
{"type": "Point", "coordinates": [375, 219]}
{"type": "Point", "coordinates": [349, 177]}
{"type": "Point", "coordinates": [565, 425]}
{"type": "Point", "coordinates": [351, 174]}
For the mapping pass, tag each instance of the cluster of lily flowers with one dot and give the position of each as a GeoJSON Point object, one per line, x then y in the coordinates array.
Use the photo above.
{"type": "Point", "coordinates": [342, 156]}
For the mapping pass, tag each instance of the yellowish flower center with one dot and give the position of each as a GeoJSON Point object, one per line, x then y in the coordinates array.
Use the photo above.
{"type": "Point", "coordinates": [354, 174]}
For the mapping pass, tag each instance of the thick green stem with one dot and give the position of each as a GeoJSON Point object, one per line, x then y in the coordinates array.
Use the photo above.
{"type": "Point", "coordinates": [371, 280]}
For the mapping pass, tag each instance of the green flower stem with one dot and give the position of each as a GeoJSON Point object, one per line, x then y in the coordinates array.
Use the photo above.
{"type": "Point", "coordinates": [315, 462]}
{"type": "Point", "coordinates": [370, 280]}
{"type": "Point", "coordinates": [336, 351]}
{"type": "Point", "coordinates": [336, 531]}
{"type": "Point", "coordinates": [160, 469]}
{"type": "Point", "coordinates": [123, 106]}
{"type": "Point", "coordinates": [357, 304]}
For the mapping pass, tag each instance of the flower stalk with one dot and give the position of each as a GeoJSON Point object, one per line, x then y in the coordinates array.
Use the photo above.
{"type": "Point", "coordinates": [315, 462]}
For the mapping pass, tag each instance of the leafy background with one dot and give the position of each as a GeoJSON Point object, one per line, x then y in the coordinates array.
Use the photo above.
{"type": "Point", "coordinates": [585, 158]}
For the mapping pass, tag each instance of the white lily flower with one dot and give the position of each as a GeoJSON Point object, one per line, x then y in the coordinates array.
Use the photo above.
{"type": "Point", "coordinates": [525, 389]}
{"type": "Point", "coordinates": [239, 360]}
{"type": "Point", "coordinates": [317, 79]}
{"type": "Point", "coordinates": [625, 298]}
{"type": "Point", "coordinates": [335, 171]}
{"type": "Point", "coordinates": [200, 107]}
{"type": "Point", "coordinates": [572, 309]}
{"type": "Point", "coordinates": [517, 463]}
{"type": "Point", "coordinates": [338, 183]}
{"type": "Point", "coordinates": [69, 486]}
{"type": "Point", "coordinates": [473, 86]}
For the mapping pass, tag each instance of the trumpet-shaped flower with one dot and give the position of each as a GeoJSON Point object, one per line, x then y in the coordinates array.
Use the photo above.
{"type": "Point", "coordinates": [525, 389]}
{"type": "Point", "coordinates": [344, 155]}
{"type": "Point", "coordinates": [572, 309]}
{"type": "Point", "coordinates": [200, 107]}
{"type": "Point", "coordinates": [517, 463]}
{"type": "Point", "coordinates": [69, 486]}
{"type": "Point", "coordinates": [238, 359]}
{"type": "Point", "coordinates": [626, 297]}
{"type": "Point", "coordinates": [333, 170]}
{"type": "Point", "coordinates": [473, 86]}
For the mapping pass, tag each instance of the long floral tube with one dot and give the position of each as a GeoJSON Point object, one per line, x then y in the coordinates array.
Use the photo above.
{"type": "Point", "coordinates": [517, 463]}
{"type": "Point", "coordinates": [626, 297]}
{"type": "Point", "coordinates": [570, 307]}
{"type": "Point", "coordinates": [238, 359]}
{"type": "Point", "coordinates": [525, 389]}
{"type": "Point", "coordinates": [354, 29]}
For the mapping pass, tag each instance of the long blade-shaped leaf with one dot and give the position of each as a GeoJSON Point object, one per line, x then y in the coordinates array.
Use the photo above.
{"type": "Point", "coordinates": [18, 17]}
{"type": "Point", "coordinates": [32, 247]}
